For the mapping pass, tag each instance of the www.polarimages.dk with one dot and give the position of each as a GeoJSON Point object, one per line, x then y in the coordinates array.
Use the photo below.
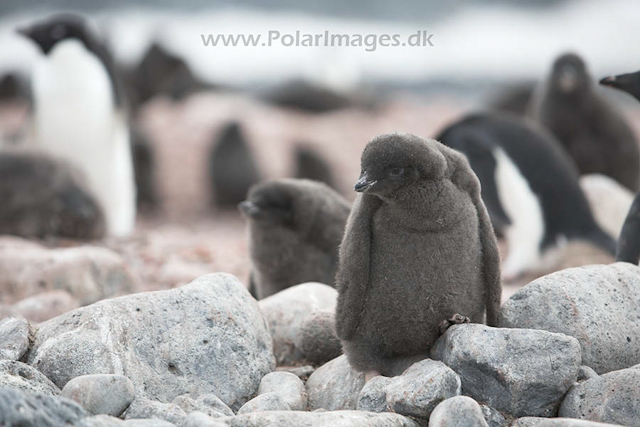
{"type": "Point", "coordinates": [370, 42]}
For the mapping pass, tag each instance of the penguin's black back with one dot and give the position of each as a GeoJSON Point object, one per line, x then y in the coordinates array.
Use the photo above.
{"type": "Point", "coordinates": [549, 171]}
{"type": "Point", "coordinates": [233, 169]}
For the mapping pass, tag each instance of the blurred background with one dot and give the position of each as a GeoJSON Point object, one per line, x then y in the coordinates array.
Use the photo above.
{"type": "Point", "coordinates": [331, 100]}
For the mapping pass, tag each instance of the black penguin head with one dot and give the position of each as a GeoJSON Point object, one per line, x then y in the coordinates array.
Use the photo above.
{"type": "Point", "coordinates": [392, 161]}
{"type": "Point", "coordinates": [629, 83]}
{"type": "Point", "coordinates": [54, 29]}
{"type": "Point", "coordinates": [269, 204]}
{"type": "Point", "coordinates": [569, 74]}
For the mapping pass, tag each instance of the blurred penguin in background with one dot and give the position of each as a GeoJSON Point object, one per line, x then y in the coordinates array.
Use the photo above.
{"type": "Point", "coordinates": [232, 168]}
{"type": "Point", "coordinates": [594, 134]}
{"type": "Point", "coordinates": [79, 115]}
{"type": "Point", "coordinates": [41, 198]}
{"type": "Point", "coordinates": [295, 227]}
{"type": "Point", "coordinates": [310, 164]}
{"type": "Point", "coordinates": [529, 185]}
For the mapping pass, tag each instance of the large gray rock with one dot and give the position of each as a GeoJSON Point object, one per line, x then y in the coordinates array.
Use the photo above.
{"type": "Point", "coordinates": [151, 422]}
{"type": "Point", "coordinates": [493, 417]}
{"type": "Point", "coordinates": [597, 305]}
{"type": "Point", "coordinates": [14, 338]}
{"type": "Point", "coordinates": [19, 408]}
{"type": "Point", "coordinates": [335, 386]}
{"type": "Point", "coordinates": [205, 337]}
{"type": "Point", "coordinates": [265, 402]}
{"type": "Point", "coordinates": [23, 377]}
{"type": "Point", "coordinates": [528, 422]}
{"type": "Point", "coordinates": [46, 305]}
{"type": "Point", "coordinates": [518, 371]}
{"type": "Point", "coordinates": [200, 419]}
{"type": "Point", "coordinates": [100, 393]}
{"type": "Point", "coordinates": [101, 421]}
{"type": "Point", "coordinates": [88, 273]}
{"type": "Point", "coordinates": [145, 408]}
{"type": "Point", "coordinates": [611, 398]}
{"type": "Point", "coordinates": [457, 411]}
{"type": "Point", "coordinates": [209, 404]}
{"type": "Point", "coordinates": [318, 341]}
{"type": "Point", "coordinates": [287, 310]}
{"type": "Point", "coordinates": [421, 388]}
{"type": "Point", "coordinates": [319, 419]}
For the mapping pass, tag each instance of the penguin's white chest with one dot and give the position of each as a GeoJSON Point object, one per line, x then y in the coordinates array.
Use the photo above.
{"type": "Point", "coordinates": [75, 119]}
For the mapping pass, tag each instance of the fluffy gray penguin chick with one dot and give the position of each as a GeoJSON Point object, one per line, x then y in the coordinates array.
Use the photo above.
{"type": "Point", "coordinates": [295, 227]}
{"type": "Point", "coordinates": [418, 249]}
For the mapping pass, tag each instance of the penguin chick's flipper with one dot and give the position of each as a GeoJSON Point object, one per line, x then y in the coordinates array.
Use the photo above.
{"type": "Point", "coordinates": [629, 241]}
{"type": "Point", "coordinates": [456, 319]}
{"type": "Point", "coordinates": [458, 164]}
{"type": "Point", "coordinates": [352, 282]}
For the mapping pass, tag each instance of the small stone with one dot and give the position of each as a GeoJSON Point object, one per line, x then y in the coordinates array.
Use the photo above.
{"type": "Point", "coordinates": [14, 338]}
{"type": "Point", "coordinates": [151, 422]}
{"type": "Point", "coordinates": [265, 402]}
{"type": "Point", "coordinates": [335, 386]}
{"type": "Point", "coordinates": [209, 404]}
{"type": "Point", "coordinates": [421, 388]}
{"type": "Point", "coordinates": [493, 417]}
{"type": "Point", "coordinates": [457, 411]}
{"type": "Point", "coordinates": [101, 421]}
{"type": "Point", "coordinates": [23, 377]}
{"type": "Point", "coordinates": [19, 408]}
{"type": "Point", "coordinates": [568, 422]}
{"type": "Point", "coordinates": [288, 386]}
{"type": "Point", "coordinates": [528, 422]}
{"type": "Point", "coordinates": [200, 419]}
{"type": "Point", "coordinates": [145, 408]}
{"type": "Point", "coordinates": [46, 305]}
{"type": "Point", "coordinates": [610, 398]}
{"type": "Point", "coordinates": [285, 313]}
{"type": "Point", "coordinates": [520, 372]}
{"type": "Point", "coordinates": [302, 372]}
{"type": "Point", "coordinates": [101, 393]}
{"type": "Point", "coordinates": [319, 342]}
{"type": "Point", "coordinates": [319, 419]}
{"type": "Point", "coordinates": [373, 396]}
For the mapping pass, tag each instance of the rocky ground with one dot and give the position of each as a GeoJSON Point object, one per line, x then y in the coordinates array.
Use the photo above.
{"type": "Point", "coordinates": [82, 342]}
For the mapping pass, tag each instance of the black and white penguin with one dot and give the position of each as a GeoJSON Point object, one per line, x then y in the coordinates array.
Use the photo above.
{"type": "Point", "coordinates": [529, 185]}
{"type": "Point", "coordinates": [79, 115]}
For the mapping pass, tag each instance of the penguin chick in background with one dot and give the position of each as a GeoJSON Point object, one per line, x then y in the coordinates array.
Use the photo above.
{"type": "Point", "coordinates": [311, 165]}
{"type": "Point", "coordinates": [595, 134]}
{"type": "Point", "coordinates": [41, 197]}
{"type": "Point", "coordinates": [294, 227]}
{"type": "Point", "coordinates": [418, 254]}
{"type": "Point", "coordinates": [79, 115]}
{"type": "Point", "coordinates": [232, 168]}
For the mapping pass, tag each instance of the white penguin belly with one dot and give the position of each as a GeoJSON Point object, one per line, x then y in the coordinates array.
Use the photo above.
{"type": "Point", "coordinates": [75, 119]}
{"type": "Point", "coordinates": [524, 235]}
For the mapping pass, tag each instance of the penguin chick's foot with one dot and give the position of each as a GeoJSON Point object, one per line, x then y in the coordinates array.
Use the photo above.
{"type": "Point", "coordinates": [370, 374]}
{"type": "Point", "coordinates": [457, 319]}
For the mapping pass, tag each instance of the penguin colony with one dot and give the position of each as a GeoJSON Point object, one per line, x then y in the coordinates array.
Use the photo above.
{"type": "Point", "coordinates": [417, 250]}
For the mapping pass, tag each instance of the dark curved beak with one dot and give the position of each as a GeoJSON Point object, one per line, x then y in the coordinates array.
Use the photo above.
{"type": "Point", "coordinates": [364, 184]}
{"type": "Point", "coordinates": [248, 208]}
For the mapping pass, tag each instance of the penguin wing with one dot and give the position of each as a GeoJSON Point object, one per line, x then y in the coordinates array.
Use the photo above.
{"type": "Point", "coordinates": [352, 277]}
{"type": "Point", "coordinates": [463, 177]}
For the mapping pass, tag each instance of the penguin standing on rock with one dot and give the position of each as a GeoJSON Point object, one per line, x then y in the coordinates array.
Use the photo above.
{"type": "Point", "coordinates": [594, 134]}
{"type": "Point", "coordinates": [529, 185]}
{"type": "Point", "coordinates": [295, 227]}
{"type": "Point", "coordinates": [418, 254]}
{"type": "Point", "coordinates": [79, 115]}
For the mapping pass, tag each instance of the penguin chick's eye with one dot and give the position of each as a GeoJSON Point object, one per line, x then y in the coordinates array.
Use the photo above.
{"type": "Point", "coordinates": [396, 172]}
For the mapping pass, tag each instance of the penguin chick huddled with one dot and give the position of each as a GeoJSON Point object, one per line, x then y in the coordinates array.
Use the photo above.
{"type": "Point", "coordinates": [79, 113]}
{"type": "Point", "coordinates": [41, 197]}
{"type": "Point", "coordinates": [595, 135]}
{"type": "Point", "coordinates": [232, 168]}
{"type": "Point", "coordinates": [294, 227]}
{"type": "Point", "coordinates": [530, 187]}
{"type": "Point", "coordinates": [418, 253]}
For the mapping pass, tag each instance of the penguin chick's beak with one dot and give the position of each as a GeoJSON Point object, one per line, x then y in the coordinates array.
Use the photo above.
{"type": "Point", "coordinates": [364, 184]}
{"type": "Point", "coordinates": [249, 208]}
